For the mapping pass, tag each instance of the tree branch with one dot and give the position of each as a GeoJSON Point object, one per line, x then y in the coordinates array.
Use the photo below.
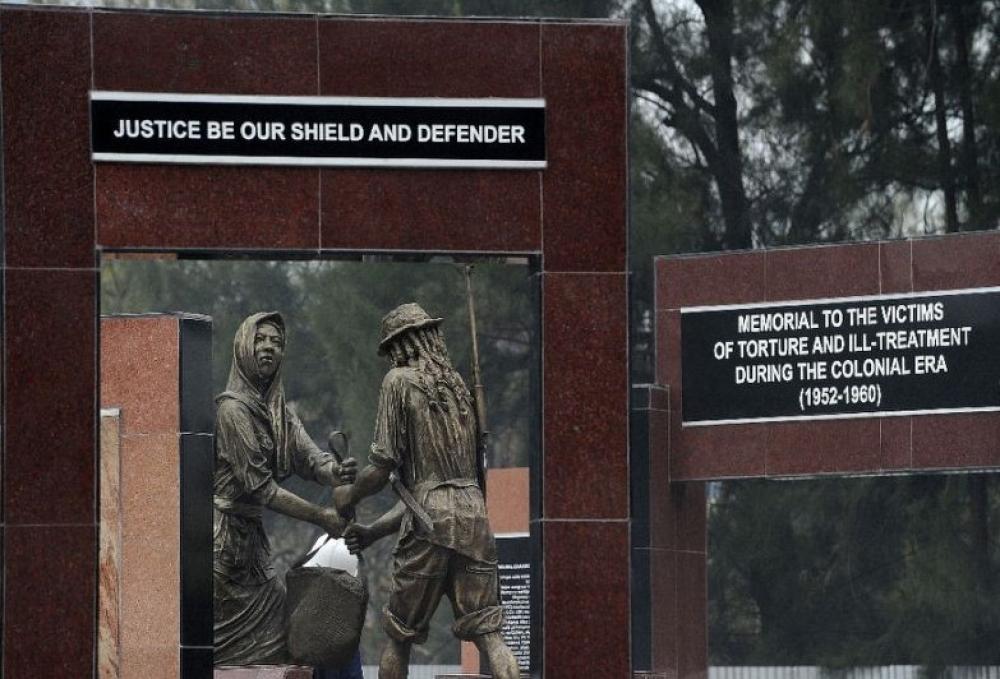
{"type": "Point", "coordinates": [673, 73]}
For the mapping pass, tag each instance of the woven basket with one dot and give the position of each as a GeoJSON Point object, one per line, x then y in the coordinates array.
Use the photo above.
{"type": "Point", "coordinates": [326, 613]}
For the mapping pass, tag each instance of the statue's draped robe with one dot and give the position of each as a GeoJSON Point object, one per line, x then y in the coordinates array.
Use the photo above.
{"type": "Point", "coordinates": [258, 442]}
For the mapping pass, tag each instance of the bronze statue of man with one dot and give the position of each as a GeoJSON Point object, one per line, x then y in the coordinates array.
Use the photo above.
{"type": "Point", "coordinates": [426, 433]}
{"type": "Point", "coordinates": [259, 441]}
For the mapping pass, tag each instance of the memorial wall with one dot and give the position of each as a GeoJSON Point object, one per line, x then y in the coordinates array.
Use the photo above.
{"type": "Point", "coordinates": [296, 177]}
{"type": "Point", "coordinates": [826, 362]}
{"type": "Point", "coordinates": [549, 98]}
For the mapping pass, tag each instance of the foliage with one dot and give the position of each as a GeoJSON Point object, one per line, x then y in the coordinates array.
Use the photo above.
{"type": "Point", "coordinates": [828, 108]}
{"type": "Point", "coordinates": [855, 572]}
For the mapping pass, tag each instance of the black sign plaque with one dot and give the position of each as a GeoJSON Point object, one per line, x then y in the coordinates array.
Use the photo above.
{"type": "Point", "coordinates": [317, 131]}
{"type": "Point", "coordinates": [911, 354]}
{"type": "Point", "coordinates": [514, 563]}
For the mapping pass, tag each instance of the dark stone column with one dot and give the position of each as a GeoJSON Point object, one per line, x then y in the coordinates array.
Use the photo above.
{"type": "Point", "coordinates": [197, 466]}
{"type": "Point", "coordinates": [668, 550]}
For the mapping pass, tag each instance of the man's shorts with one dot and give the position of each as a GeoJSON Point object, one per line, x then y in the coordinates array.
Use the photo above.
{"type": "Point", "coordinates": [422, 573]}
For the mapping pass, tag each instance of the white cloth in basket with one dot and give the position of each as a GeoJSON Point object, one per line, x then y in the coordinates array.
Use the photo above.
{"type": "Point", "coordinates": [333, 554]}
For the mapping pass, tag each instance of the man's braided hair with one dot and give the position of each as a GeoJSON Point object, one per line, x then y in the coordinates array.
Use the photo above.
{"type": "Point", "coordinates": [424, 349]}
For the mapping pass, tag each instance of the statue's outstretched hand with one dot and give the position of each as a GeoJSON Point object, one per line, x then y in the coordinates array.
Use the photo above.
{"type": "Point", "coordinates": [358, 537]}
{"type": "Point", "coordinates": [347, 471]}
{"type": "Point", "coordinates": [332, 522]}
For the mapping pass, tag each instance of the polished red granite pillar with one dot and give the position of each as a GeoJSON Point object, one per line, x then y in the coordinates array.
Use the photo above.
{"type": "Point", "coordinates": [50, 382]}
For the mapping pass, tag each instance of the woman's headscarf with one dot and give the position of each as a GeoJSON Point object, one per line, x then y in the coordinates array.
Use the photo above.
{"type": "Point", "coordinates": [266, 400]}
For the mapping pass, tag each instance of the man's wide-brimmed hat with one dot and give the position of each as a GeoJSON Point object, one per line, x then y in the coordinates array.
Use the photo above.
{"type": "Point", "coordinates": [404, 317]}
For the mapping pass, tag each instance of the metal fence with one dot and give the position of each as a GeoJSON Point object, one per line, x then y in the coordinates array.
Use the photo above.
{"type": "Point", "coordinates": [795, 672]}
{"type": "Point", "coordinates": [885, 672]}
{"type": "Point", "coordinates": [417, 671]}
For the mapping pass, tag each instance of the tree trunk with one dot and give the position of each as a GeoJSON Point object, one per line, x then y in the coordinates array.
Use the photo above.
{"type": "Point", "coordinates": [729, 169]}
{"type": "Point", "coordinates": [808, 211]}
{"type": "Point", "coordinates": [970, 155]}
{"type": "Point", "coordinates": [941, 120]}
{"type": "Point", "coordinates": [980, 513]}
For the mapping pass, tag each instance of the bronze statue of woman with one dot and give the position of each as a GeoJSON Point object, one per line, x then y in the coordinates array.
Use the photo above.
{"type": "Point", "coordinates": [259, 441]}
